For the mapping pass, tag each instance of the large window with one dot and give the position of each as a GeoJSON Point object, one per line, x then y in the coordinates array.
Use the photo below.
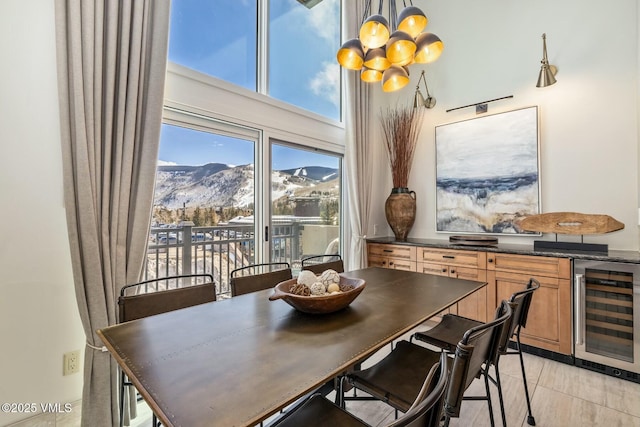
{"type": "Point", "coordinates": [305, 202]}
{"type": "Point", "coordinates": [243, 177]}
{"type": "Point", "coordinates": [203, 177]}
{"type": "Point", "coordinates": [291, 57]}
{"type": "Point", "coordinates": [204, 201]}
{"type": "Point", "coordinates": [216, 37]}
{"type": "Point", "coordinates": [302, 55]}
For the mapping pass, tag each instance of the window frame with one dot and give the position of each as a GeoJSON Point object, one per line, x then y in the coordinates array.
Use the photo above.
{"type": "Point", "coordinates": [215, 117]}
{"type": "Point", "coordinates": [202, 102]}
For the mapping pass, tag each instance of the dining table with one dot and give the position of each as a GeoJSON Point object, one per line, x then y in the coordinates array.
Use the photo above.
{"type": "Point", "coordinates": [238, 361]}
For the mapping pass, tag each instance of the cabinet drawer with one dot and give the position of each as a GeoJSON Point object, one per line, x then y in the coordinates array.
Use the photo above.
{"type": "Point", "coordinates": [401, 264]}
{"type": "Point", "coordinates": [433, 268]}
{"type": "Point", "coordinates": [397, 252]}
{"type": "Point", "coordinates": [454, 257]}
{"type": "Point", "coordinates": [398, 264]}
{"type": "Point", "coordinates": [530, 265]}
{"type": "Point", "coordinates": [467, 273]}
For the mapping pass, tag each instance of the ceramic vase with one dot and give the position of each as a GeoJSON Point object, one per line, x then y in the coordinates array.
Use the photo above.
{"type": "Point", "coordinates": [400, 210]}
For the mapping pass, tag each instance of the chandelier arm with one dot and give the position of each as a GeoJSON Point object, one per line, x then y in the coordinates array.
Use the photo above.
{"type": "Point", "coordinates": [367, 12]}
{"type": "Point", "coordinates": [393, 15]}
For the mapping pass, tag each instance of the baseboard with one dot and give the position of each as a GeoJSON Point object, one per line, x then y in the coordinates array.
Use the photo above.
{"type": "Point", "coordinates": [547, 354]}
{"type": "Point", "coordinates": [608, 370]}
{"type": "Point", "coordinates": [585, 364]}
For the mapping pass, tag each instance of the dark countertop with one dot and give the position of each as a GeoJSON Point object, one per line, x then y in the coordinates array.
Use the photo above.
{"type": "Point", "coordinates": [523, 249]}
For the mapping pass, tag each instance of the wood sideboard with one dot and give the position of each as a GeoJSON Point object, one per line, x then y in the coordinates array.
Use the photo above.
{"type": "Point", "coordinates": [549, 322]}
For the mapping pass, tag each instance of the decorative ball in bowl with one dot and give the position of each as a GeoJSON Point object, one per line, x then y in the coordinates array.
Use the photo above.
{"type": "Point", "coordinates": [298, 294]}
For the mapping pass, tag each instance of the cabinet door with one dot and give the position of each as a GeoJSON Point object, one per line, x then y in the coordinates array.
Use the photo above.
{"type": "Point", "coordinates": [549, 321]}
{"type": "Point", "coordinates": [475, 305]}
{"type": "Point", "coordinates": [377, 261]}
{"type": "Point", "coordinates": [437, 270]}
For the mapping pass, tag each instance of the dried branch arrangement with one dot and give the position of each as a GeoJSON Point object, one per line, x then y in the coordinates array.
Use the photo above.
{"type": "Point", "coordinates": [401, 127]}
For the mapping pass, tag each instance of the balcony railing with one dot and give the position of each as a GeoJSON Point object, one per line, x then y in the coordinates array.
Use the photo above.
{"type": "Point", "coordinates": [216, 250]}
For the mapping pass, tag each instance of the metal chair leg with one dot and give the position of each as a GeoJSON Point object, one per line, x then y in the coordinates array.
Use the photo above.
{"type": "Point", "coordinates": [500, 398]}
{"type": "Point", "coordinates": [530, 419]}
{"type": "Point", "coordinates": [122, 378]}
{"type": "Point", "coordinates": [340, 392]}
{"type": "Point", "coordinates": [486, 387]}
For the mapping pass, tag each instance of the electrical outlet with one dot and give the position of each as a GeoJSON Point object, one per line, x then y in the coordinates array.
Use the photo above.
{"type": "Point", "coordinates": [71, 362]}
{"type": "Point", "coordinates": [375, 229]}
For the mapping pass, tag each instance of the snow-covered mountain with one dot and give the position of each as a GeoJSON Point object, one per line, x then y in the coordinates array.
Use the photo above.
{"type": "Point", "coordinates": [219, 185]}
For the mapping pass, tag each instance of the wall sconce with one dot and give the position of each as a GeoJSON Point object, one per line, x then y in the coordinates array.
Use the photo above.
{"type": "Point", "coordinates": [418, 99]}
{"type": "Point", "coordinates": [547, 71]}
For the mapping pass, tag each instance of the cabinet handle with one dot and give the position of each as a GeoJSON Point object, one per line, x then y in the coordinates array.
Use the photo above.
{"type": "Point", "coordinates": [489, 259]}
{"type": "Point", "coordinates": [453, 271]}
{"type": "Point", "coordinates": [579, 289]}
{"type": "Point", "coordinates": [448, 256]}
{"type": "Point", "coordinates": [387, 250]}
{"type": "Point", "coordinates": [444, 270]}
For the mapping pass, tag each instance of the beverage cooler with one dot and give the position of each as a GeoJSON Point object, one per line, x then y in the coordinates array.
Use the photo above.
{"type": "Point", "coordinates": [606, 317]}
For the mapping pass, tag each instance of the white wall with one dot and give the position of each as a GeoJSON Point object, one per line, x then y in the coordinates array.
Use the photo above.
{"type": "Point", "coordinates": [493, 49]}
{"type": "Point", "coordinates": [588, 120]}
{"type": "Point", "coordinates": [39, 318]}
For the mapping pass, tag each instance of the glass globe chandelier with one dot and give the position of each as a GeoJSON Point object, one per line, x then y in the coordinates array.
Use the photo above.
{"type": "Point", "coordinates": [382, 52]}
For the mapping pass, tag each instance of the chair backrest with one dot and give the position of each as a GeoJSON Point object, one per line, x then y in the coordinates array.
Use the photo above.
{"type": "Point", "coordinates": [522, 300]}
{"type": "Point", "coordinates": [477, 347]}
{"type": "Point", "coordinates": [257, 277]}
{"type": "Point", "coordinates": [427, 408]}
{"type": "Point", "coordinates": [152, 297]}
{"type": "Point", "coordinates": [519, 302]}
{"type": "Point", "coordinates": [319, 263]}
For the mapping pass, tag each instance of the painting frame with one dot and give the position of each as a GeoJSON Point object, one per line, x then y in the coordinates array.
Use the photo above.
{"type": "Point", "coordinates": [488, 173]}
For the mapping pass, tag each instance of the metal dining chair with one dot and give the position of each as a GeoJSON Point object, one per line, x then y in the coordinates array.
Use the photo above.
{"type": "Point", "coordinates": [157, 296]}
{"type": "Point", "coordinates": [446, 334]}
{"type": "Point", "coordinates": [257, 277]}
{"type": "Point", "coordinates": [319, 263]}
{"type": "Point", "coordinates": [397, 378]}
{"type": "Point", "coordinates": [426, 410]}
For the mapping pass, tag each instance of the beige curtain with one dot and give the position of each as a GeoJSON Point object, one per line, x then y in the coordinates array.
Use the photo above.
{"type": "Point", "coordinates": [358, 147]}
{"type": "Point", "coordinates": [112, 58]}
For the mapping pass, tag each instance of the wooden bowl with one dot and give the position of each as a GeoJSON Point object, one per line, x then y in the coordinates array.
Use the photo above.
{"type": "Point", "coordinates": [321, 304]}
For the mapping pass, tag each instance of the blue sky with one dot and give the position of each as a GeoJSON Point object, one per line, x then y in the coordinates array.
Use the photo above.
{"type": "Point", "coordinates": [190, 147]}
{"type": "Point", "coordinates": [219, 38]}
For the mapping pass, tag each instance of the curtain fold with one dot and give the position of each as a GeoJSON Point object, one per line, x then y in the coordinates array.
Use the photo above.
{"type": "Point", "coordinates": [358, 150]}
{"type": "Point", "coordinates": [112, 58]}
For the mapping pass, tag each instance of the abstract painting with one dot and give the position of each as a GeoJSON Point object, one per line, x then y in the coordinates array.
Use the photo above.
{"type": "Point", "coordinates": [487, 173]}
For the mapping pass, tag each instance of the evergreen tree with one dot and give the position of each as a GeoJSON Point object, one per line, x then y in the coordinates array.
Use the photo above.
{"type": "Point", "coordinates": [197, 219]}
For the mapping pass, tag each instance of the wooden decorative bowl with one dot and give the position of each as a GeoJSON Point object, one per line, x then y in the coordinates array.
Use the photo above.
{"type": "Point", "coordinates": [321, 304]}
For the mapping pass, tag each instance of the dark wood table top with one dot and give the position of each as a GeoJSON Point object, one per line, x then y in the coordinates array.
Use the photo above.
{"type": "Point", "coordinates": [235, 362]}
